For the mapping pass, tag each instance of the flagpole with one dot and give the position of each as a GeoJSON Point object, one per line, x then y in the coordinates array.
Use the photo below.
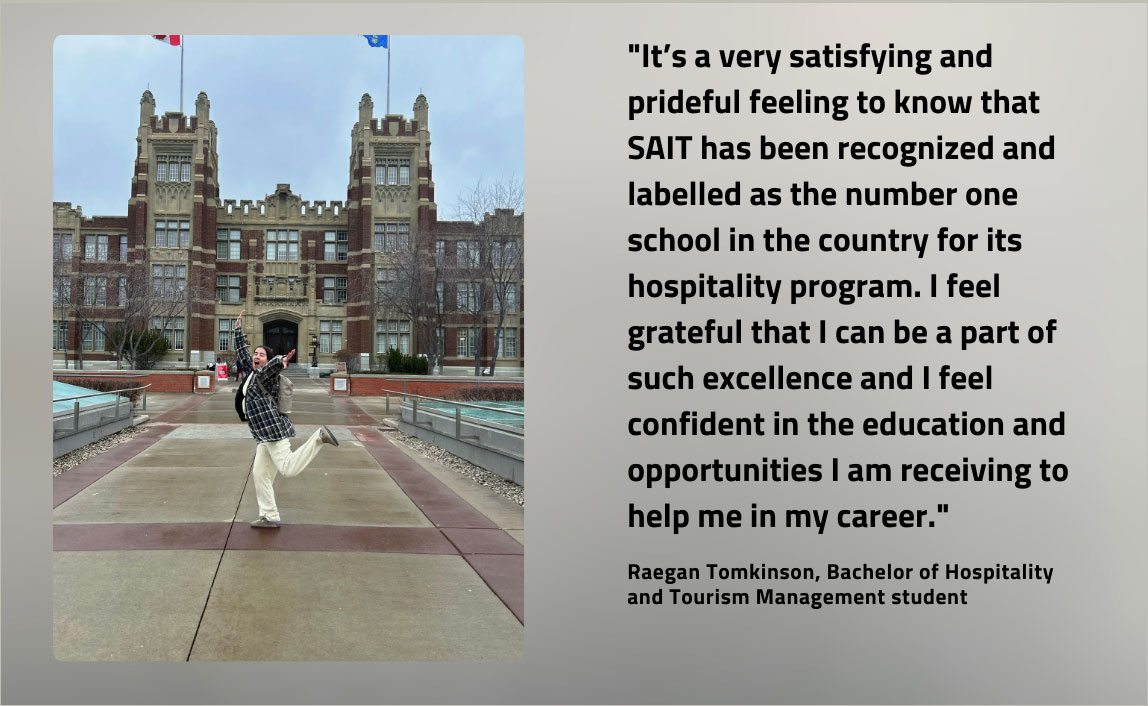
{"type": "Point", "coordinates": [389, 40]}
{"type": "Point", "coordinates": [182, 39]}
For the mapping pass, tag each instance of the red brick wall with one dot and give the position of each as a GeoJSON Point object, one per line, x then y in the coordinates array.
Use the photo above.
{"type": "Point", "coordinates": [375, 385]}
{"type": "Point", "coordinates": [160, 381]}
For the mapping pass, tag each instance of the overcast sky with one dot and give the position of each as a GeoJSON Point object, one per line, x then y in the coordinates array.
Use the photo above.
{"type": "Point", "coordinates": [284, 107]}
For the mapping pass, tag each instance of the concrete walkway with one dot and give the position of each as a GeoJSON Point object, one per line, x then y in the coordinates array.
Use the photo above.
{"type": "Point", "coordinates": [383, 554]}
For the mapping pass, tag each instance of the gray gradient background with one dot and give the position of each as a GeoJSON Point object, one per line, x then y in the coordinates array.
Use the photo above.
{"type": "Point", "coordinates": [1079, 640]}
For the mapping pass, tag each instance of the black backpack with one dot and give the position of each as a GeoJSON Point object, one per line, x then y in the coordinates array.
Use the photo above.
{"type": "Point", "coordinates": [239, 403]}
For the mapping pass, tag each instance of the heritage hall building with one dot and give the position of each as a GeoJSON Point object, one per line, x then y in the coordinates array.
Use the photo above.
{"type": "Point", "coordinates": [307, 272]}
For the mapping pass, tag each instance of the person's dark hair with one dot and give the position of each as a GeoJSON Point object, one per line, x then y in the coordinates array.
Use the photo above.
{"type": "Point", "coordinates": [268, 350]}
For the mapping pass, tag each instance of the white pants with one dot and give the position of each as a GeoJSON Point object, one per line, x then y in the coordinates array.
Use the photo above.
{"type": "Point", "coordinates": [273, 457]}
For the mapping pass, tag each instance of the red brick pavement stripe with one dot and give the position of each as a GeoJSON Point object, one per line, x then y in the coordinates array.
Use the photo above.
{"type": "Point", "coordinates": [504, 574]}
{"type": "Point", "coordinates": [335, 538]}
{"type": "Point", "coordinates": [173, 414]}
{"type": "Point", "coordinates": [482, 541]}
{"type": "Point", "coordinates": [66, 485]}
{"type": "Point", "coordinates": [442, 506]}
{"type": "Point", "coordinates": [214, 535]}
{"type": "Point", "coordinates": [109, 537]}
{"type": "Point", "coordinates": [353, 411]}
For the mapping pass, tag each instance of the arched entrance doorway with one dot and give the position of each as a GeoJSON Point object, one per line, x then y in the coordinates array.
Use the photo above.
{"type": "Point", "coordinates": [281, 335]}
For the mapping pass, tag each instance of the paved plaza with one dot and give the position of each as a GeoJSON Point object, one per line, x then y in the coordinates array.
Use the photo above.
{"type": "Point", "coordinates": [383, 554]}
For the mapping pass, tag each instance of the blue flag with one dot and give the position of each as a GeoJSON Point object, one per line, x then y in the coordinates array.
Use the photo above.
{"type": "Point", "coordinates": [377, 40]}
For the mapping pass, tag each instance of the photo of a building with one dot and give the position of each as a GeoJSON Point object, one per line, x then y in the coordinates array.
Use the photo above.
{"type": "Point", "coordinates": [353, 490]}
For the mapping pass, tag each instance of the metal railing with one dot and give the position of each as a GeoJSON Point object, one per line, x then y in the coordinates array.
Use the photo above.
{"type": "Point", "coordinates": [117, 393]}
{"type": "Point", "coordinates": [457, 412]}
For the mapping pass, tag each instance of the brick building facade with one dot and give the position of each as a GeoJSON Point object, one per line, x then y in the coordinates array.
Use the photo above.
{"type": "Point", "coordinates": [308, 273]}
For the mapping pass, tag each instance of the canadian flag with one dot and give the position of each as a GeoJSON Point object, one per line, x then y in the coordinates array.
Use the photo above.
{"type": "Point", "coordinates": [172, 39]}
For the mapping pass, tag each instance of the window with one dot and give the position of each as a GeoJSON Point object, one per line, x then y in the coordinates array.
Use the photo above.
{"type": "Point", "coordinates": [393, 171]}
{"type": "Point", "coordinates": [171, 233]}
{"type": "Point", "coordinates": [227, 244]}
{"type": "Point", "coordinates": [93, 337]}
{"type": "Point", "coordinates": [225, 334]}
{"type": "Point", "coordinates": [440, 344]}
{"type": "Point", "coordinates": [334, 290]}
{"type": "Point", "coordinates": [393, 334]}
{"type": "Point", "coordinates": [330, 336]}
{"type": "Point", "coordinates": [335, 246]}
{"type": "Point", "coordinates": [392, 237]}
{"type": "Point", "coordinates": [123, 248]}
{"type": "Point", "coordinates": [386, 283]}
{"type": "Point", "coordinates": [96, 247]}
{"type": "Point", "coordinates": [123, 291]}
{"type": "Point", "coordinates": [61, 290]}
{"type": "Point", "coordinates": [504, 254]}
{"type": "Point", "coordinates": [62, 247]}
{"type": "Point", "coordinates": [507, 340]}
{"type": "Point", "coordinates": [95, 291]}
{"type": "Point", "coordinates": [172, 329]}
{"type": "Point", "coordinates": [469, 296]}
{"type": "Point", "coordinates": [59, 335]}
{"type": "Point", "coordinates": [227, 289]}
{"type": "Point", "coordinates": [173, 167]}
{"type": "Point", "coordinates": [168, 281]}
{"type": "Point", "coordinates": [439, 252]}
{"type": "Point", "coordinates": [467, 343]}
{"type": "Point", "coordinates": [468, 254]}
{"type": "Point", "coordinates": [509, 301]}
{"type": "Point", "coordinates": [283, 245]}
{"type": "Point", "coordinates": [439, 290]}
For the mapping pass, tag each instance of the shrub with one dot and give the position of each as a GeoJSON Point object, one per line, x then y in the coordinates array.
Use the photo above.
{"type": "Point", "coordinates": [488, 393]}
{"type": "Point", "coordinates": [400, 363]}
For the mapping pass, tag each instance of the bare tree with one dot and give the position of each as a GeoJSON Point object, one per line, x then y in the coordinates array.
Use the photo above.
{"type": "Point", "coordinates": [156, 298]}
{"type": "Point", "coordinates": [496, 209]}
{"type": "Point", "coordinates": [119, 302]}
{"type": "Point", "coordinates": [407, 288]}
{"type": "Point", "coordinates": [62, 287]}
{"type": "Point", "coordinates": [88, 298]}
{"type": "Point", "coordinates": [503, 239]}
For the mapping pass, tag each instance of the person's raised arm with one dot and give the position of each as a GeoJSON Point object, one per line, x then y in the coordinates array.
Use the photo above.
{"type": "Point", "coordinates": [242, 352]}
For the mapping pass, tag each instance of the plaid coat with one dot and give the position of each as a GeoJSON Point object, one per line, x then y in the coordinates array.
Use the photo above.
{"type": "Point", "coordinates": [263, 416]}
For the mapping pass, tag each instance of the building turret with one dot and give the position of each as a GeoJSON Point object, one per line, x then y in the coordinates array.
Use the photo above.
{"type": "Point", "coordinates": [147, 108]}
{"type": "Point", "coordinates": [366, 110]}
{"type": "Point", "coordinates": [420, 110]}
{"type": "Point", "coordinates": [202, 108]}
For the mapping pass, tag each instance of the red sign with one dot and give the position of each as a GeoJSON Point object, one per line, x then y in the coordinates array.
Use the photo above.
{"type": "Point", "coordinates": [221, 371]}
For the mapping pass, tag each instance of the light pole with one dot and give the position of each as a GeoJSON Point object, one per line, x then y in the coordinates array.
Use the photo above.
{"type": "Point", "coordinates": [314, 350]}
